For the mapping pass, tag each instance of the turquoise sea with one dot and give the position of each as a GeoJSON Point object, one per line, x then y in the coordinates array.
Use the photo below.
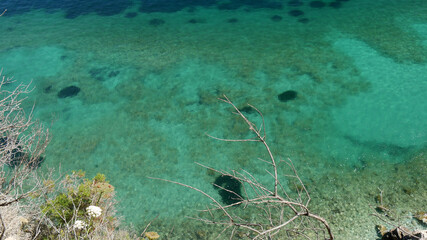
{"type": "Point", "coordinates": [147, 75]}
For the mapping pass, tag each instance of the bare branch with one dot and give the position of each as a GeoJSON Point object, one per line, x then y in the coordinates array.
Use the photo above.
{"type": "Point", "coordinates": [22, 143]}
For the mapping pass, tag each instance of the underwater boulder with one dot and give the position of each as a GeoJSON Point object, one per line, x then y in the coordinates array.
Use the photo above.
{"type": "Point", "coordinates": [232, 186]}
{"type": "Point", "coordinates": [70, 91]}
{"type": "Point", "coordinates": [287, 95]}
{"type": "Point", "coordinates": [276, 18]}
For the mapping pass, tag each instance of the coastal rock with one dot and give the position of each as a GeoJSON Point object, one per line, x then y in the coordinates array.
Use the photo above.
{"type": "Point", "coordinates": [402, 233]}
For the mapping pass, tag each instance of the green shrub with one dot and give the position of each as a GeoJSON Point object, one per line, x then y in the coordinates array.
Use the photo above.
{"type": "Point", "coordinates": [79, 207]}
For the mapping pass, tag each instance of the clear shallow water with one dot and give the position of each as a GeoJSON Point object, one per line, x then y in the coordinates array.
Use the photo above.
{"type": "Point", "coordinates": [149, 88]}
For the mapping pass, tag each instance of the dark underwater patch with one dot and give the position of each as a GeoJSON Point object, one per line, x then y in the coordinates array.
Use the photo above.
{"type": "Point", "coordinates": [317, 4]}
{"type": "Point", "coordinates": [103, 73]}
{"type": "Point", "coordinates": [388, 148]}
{"type": "Point", "coordinates": [194, 21]}
{"type": "Point", "coordinates": [70, 91]}
{"type": "Point", "coordinates": [98, 73]}
{"type": "Point", "coordinates": [75, 8]}
{"type": "Point", "coordinates": [296, 13]}
{"type": "Point", "coordinates": [335, 4]}
{"type": "Point", "coordinates": [247, 109]}
{"type": "Point", "coordinates": [113, 73]}
{"type": "Point", "coordinates": [295, 3]}
{"type": "Point", "coordinates": [17, 156]}
{"type": "Point", "coordinates": [232, 185]}
{"type": "Point", "coordinates": [232, 20]}
{"type": "Point", "coordinates": [228, 6]}
{"type": "Point", "coordinates": [233, 5]}
{"type": "Point", "coordinates": [131, 14]}
{"type": "Point", "coordinates": [303, 20]}
{"type": "Point", "coordinates": [168, 6]}
{"type": "Point", "coordinates": [24, 160]}
{"type": "Point", "coordinates": [47, 89]}
{"type": "Point", "coordinates": [276, 18]}
{"type": "Point", "coordinates": [266, 4]}
{"type": "Point", "coordinates": [72, 8]}
{"type": "Point", "coordinates": [287, 95]}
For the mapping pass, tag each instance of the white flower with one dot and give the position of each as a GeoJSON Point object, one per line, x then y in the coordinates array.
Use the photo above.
{"type": "Point", "coordinates": [94, 211]}
{"type": "Point", "coordinates": [79, 225]}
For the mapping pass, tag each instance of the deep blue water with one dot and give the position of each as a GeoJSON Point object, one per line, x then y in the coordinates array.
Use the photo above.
{"type": "Point", "coordinates": [71, 8]}
{"type": "Point", "coordinates": [75, 8]}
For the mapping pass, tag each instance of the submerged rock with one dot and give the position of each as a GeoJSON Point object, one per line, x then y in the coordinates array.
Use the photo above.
{"type": "Point", "coordinates": [247, 109]}
{"type": "Point", "coordinates": [70, 91]}
{"type": "Point", "coordinates": [287, 95]}
{"type": "Point", "coordinates": [232, 185]}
